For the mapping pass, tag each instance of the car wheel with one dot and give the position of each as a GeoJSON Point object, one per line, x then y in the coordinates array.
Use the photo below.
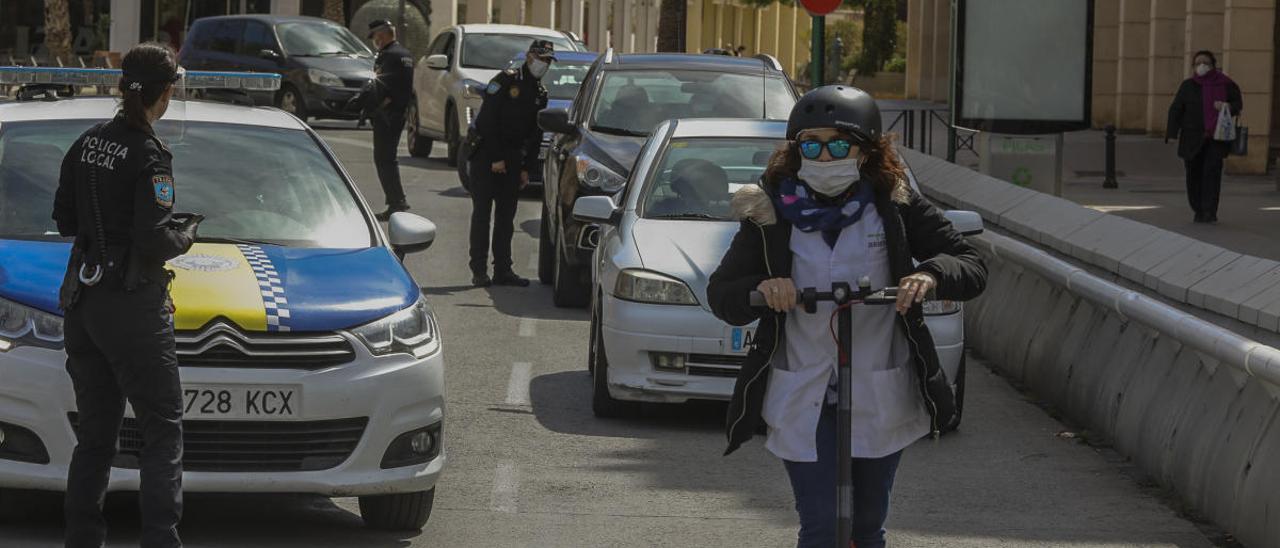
{"type": "Point", "coordinates": [603, 405]}
{"type": "Point", "coordinates": [398, 512]}
{"type": "Point", "coordinates": [418, 145]}
{"type": "Point", "coordinates": [958, 388]}
{"type": "Point", "coordinates": [567, 289]}
{"type": "Point", "coordinates": [452, 135]}
{"type": "Point", "coordinates": [546, 249]}
{"type": "Point", "coordinates": [289, 100]}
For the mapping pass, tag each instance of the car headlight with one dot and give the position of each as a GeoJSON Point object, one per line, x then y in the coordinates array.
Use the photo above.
{"type": "Point", "coordinates": [409, 331]}
{"type": "Point", "coordinates": [650, 287]}
{"type": "Point", "coordinates": [940, 308]}
{"type": "Point", "coordinates": [473, 89]}
{"type": "Point", "coordinates": [22, 325]}
{"type": "Point", "coordinates": [324, 78]}
{"type": "Point", "coordinates": [594, 174]}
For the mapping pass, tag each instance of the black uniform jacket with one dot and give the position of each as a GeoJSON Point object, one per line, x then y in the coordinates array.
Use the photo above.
{"type": "Point", "coordinates": [508, 118]}
{"type": "Point", "coordinates": [1186, 116]}
{"type": "Point", "coordinates": [394, 70]}
{"type": "Point", "coordinates": [134, 179]}
{"type": "Point", "coordinates": [762, 249]}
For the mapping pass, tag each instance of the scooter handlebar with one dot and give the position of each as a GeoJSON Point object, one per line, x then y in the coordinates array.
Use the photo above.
{"type": "Point", "coordinates": [888, 295]}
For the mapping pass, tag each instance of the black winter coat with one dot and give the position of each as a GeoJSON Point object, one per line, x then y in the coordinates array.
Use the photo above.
{"type": "Point", "coordinates": [1186, 116]}
{"type": "Point", "coordinates": [914, 228]}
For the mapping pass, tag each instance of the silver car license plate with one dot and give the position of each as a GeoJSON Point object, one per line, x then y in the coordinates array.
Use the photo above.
{"type": "Point", "coordinates": [741, 339]}
{"type": "Point", "coordinates": [240, 401]}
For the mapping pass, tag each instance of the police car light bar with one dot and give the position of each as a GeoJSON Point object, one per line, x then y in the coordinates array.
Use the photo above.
{"type": "Point", "coordinates": [191, 79]}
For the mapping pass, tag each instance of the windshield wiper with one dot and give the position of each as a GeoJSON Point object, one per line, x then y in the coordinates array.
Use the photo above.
{"type": "Point", "coordinates": [226, 240]}
{"type": "Point", "coordinates": [619, 131]}
{"type": "Point", "coordinates": [689, 216]}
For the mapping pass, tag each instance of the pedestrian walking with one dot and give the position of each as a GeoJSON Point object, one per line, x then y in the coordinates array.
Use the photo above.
{"type": "Point", "coordinates": [393, 74]}
{"type": "Point", "coordinates": [834, 205]}
{"type": "Point", "coordinates": [115, 196]}
{"type": "Point", "coordinates": [1193, 116]}
{"type": "Point", "coordinates": [508, 140]}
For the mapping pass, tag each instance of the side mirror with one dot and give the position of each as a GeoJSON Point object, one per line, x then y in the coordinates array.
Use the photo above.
{"type": "Point", "coordinates": [410, 233]}
{"type": "Point", "coordinates": [968, 223]}
{"type": "Point", "coordinates": [438, 61]}
{"type": "Point", "coordinates": [595, 209]}
{"type": "Point", "coordinates": [556, 120]}
{"type": "Point", "coordinates": [270, 54]}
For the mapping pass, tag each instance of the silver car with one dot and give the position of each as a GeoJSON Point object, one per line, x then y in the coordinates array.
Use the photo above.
{"type": "Point", "coordinates": [653, 337]}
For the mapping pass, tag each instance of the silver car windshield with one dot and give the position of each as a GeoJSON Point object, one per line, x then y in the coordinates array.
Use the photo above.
{"type": "Point", "coordinates": [633, 102]}
{"type": "Point", "coordinates": [697, 177]}
{"type": "Point", "coordinates": [251, 183]}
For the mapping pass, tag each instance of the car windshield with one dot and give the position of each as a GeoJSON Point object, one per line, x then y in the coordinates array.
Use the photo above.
{"type": "Point", "coordinates": [564, 78]}
{"type": "Point", "coordinates": [633, 102]}
{"type": "Point", "coordinates": [312, 39]}
{"type": "Point", "coordinates": [696, 177]}
{"type": "Point", "coordinates": [494, 51]}
{"type": "Point", "coordinates": [281, 189]}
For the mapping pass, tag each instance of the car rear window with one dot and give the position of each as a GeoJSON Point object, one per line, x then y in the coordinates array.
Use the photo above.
{"type": "Point", "coordinates": [494, 51]}
{"type": "Point", "coordinates": [632, 102]}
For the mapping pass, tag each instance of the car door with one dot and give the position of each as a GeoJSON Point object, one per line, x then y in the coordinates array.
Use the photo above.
{"type": "Point", "coordinates": [563, 145]}
{"type": "Point", "coordinates": [433, 90]}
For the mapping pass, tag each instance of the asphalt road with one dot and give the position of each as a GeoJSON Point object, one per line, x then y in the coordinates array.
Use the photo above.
{"type": "Point", "coordinates": [530, 466]}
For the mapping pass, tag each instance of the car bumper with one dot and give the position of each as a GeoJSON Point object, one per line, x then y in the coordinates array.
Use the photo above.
{"type": "Point", "coordinates": [634, 331]}
{"type": "Point", "coordinates": [396, 393]}
{"type": "Point", "coordinates": [325, 102]}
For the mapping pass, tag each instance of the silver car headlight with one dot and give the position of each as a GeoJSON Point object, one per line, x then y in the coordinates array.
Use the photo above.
{"type": "Point", "coordinates": [324, 78]}
{"type": "Point", "coordinates": [21, 325]}
{"type": "Point", "coordinates": [594, 174]}
{"type": "Point", "coordinates": [650, 287]}
{"type": "Point", "coordinates": [941, 308]}
{"type": "Point", "coordinates": [410, 331]}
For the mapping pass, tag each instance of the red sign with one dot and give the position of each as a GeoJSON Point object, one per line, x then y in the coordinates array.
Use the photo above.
{"type": "Point", "coordinates": [820, 7]}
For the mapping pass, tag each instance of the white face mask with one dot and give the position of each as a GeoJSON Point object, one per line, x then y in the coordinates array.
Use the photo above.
{"type": "Point", "coordinates": [1203, 69]}
{"type": "Point", "coordinates": [829, 178]}
{"type": "Point", "coordinates": [538, 67]}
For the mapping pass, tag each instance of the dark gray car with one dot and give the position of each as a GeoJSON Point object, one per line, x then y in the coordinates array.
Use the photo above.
{"type": "Point", "coordinates": [322, 64]}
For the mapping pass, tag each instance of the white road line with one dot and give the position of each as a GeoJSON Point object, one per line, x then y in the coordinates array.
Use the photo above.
{"type": "Point", "coordinates": [528, 327]}
{"type": "Point", "coordinates": [518, 386]}
{"type": "Point", "coordinates": [505, 488]}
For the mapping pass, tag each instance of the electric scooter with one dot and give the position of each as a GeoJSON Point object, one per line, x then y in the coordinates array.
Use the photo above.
{"type": "Point", "coordinates": [844, 298]}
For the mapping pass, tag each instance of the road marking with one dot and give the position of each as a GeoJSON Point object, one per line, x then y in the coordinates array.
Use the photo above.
{"type": "Point", "coordinates": [505, 488]}
{"type": "Point", "coordinates": [518, 386]}
{"type": "Point", "coordinates": [527, 327]}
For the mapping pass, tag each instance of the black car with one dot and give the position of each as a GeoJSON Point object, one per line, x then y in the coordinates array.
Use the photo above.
{"type": "Point", "coordinates": [597, 140]}
{"type": "Point", "coordinates": [322, 64]}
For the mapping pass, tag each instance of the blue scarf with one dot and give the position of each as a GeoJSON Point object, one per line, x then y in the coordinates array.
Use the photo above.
{"type": "Point", "coordinates": [797, 203]}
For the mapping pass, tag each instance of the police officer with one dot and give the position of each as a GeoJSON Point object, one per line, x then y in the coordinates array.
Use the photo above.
{"type": "Point", "coordinates": [115, 196]}
{"type": "Point", "coordinates": [393, 74]}
{"type": "Point", "coordinates": [508, 145]}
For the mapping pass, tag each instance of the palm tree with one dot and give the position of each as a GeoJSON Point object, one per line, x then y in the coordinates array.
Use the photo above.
{"type": "Point", "coordinates": [333, 11]}
{"type": "Point", "coordinates": [671, 22]}
{"type": "Point", "coordinates": [57, 29]}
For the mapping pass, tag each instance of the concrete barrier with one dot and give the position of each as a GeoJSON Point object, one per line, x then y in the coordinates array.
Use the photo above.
{"type": "Point", "coordinates": [1193, 403]}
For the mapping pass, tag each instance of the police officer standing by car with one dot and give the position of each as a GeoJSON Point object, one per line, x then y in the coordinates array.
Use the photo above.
{"type": "Point", "coordinates": [505, 146]}
{"type": "Point", "coordinates": [115, 196]}
{"type": "Point", "coordinates": [392, 91]}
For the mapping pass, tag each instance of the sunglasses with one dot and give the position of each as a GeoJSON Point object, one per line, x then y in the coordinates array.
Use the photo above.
{"type": "Point", "coordinates": [812, 148]}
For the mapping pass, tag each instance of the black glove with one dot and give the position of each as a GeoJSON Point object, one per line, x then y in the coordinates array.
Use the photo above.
{"type": "Point", "coordinates": [186, 223]}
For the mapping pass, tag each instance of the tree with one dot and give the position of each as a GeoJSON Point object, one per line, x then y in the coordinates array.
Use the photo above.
{"type": "Point", "coordinates": [334, 11]}
{"type": "Point", "coordinates": [879, 34]}
{"type": "Point", "coordinates": [671, 22]}
{"type": "Point", "coordinates": [57, 29]}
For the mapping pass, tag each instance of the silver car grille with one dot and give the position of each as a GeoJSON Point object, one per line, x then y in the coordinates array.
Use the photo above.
{"type": "Point", "coordinates": [221, 345]}
{"type": "Point", "coordinates": [714, 365]}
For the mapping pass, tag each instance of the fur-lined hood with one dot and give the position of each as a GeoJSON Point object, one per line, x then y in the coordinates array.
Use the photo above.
{"type": "Point", "coordinates": [753, 203]}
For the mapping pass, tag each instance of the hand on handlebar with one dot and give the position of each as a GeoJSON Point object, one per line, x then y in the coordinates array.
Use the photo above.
{"type": "Point", "coordinates": [913, 289]}
{"type": "Point", "coordinates": [779, 293]}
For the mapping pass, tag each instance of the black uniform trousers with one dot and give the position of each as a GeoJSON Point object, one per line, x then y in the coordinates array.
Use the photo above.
{"type": "Point", "coordinates": [494, 196]}
{"type": "Point", "coordinates": [120, 346]}
{"type": "Point", "coordinates": [388, 125]}
{"type": "Point", "coordinates": [1204, 177]}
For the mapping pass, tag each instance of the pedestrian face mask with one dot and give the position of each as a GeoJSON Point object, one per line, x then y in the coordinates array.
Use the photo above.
{"type": "Point", "coordinates": [1203, 69]}
{"type": "Point", "coordinates": [538, 67]}
{"type": "Point", "coordinates": [830, 178]}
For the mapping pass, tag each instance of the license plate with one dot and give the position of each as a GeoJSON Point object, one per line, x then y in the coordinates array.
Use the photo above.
{"type": "Point", "coordinates": [237, 401]}
{"type": "Point", "coordinates": [741, 339]}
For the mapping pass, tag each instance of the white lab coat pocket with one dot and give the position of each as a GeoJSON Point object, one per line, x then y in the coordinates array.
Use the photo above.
{"type": "Point", "coordinates": [896, 397]}
{"type": "Point", "coordinates": [778, 398]}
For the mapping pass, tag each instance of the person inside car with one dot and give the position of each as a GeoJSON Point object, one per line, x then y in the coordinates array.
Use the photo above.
{"type": "Point", "coordinates": [701, 190]}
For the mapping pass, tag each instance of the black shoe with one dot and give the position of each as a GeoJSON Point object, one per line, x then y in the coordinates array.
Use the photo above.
{"type": "Point", "coordinates": [510, 278]}
{"type": "Point", "coordinates": [393, 208]}
{"type": "Point", "coordinates": [481, 280]}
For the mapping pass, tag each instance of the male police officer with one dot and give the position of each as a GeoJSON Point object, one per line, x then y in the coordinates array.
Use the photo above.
{"type": "Point", "coordinates": [393, 89]}
{"type": "Point", "coordinates": [509, 139]}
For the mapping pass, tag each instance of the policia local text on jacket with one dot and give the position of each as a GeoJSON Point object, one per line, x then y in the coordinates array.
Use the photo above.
{"type": "Point", "coordinates": [914, 228]}
{"type": "Point", "coordinates": [119, 331]}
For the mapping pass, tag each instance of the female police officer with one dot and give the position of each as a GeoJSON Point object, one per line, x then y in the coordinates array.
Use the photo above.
{"type": "Point", "coordinates": [115, 196]}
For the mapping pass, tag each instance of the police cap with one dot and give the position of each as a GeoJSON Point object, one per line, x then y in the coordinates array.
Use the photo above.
{"type": "Point", "coordinates": [543, 48]}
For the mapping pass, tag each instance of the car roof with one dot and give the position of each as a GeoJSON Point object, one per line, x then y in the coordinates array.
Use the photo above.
{"type": "Point", "coordinates": [582, 56]}
{"type": "Point", "coordinates": [737, 127]}
{"type": "Point", "coordinates": [697, 61]}
{"type": "Point", "coordinates": [490, 28]}
{"type": "Point", "coordinates": [101, 108]}
{"type": "Point", "coordinates": [265, 18]}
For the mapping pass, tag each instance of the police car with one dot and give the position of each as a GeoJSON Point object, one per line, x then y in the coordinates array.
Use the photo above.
{"type": "Point", "coordinates": [310, 360]}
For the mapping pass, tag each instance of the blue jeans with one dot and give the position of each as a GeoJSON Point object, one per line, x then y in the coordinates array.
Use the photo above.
{"type": "Point", "coordinates": [814, 485]}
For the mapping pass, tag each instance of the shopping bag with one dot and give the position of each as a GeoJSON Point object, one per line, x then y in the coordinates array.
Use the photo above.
{"type": "Point", "coordinates": [1226, 128]}
{"type": "Point", "coordinates": [1240, 146]}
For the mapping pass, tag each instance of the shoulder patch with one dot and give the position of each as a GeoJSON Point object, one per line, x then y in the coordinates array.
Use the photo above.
{"type": "Point", "coordinates": [408, 62]}
{"type": "Point", "coordinates": [493, 88]}
{"type": "Point", "coordinates": [163, 185]}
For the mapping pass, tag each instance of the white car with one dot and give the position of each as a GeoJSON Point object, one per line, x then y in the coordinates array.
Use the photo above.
{"type": "Point", "coordinates": [653, 336]}
{"type": "Point", "coordinates": [310, 360]}
{"type": "Point", "coordinates": [449, 83]}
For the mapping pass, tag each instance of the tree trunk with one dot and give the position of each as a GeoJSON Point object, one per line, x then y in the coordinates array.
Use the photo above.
{"type": "Point", "coordinates": [333, 12]}
{"type": "Point", "coordinates": [57, 30]}
{"type": "Point", "coordinates": [671, 26]}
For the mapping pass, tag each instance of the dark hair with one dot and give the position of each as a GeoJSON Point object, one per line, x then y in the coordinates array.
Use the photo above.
{"type": "Point", "coordinates": [1206, 53]}
{"type": "Point", "coordinates": [148, 70]}
{"type": "Point", "coordinates": [882, 166]}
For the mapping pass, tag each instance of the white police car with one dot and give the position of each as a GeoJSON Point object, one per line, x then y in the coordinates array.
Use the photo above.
{"type": "Point", "coordinates": [310, 361]}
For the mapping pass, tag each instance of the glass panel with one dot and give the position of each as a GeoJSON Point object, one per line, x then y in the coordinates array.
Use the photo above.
{"type": "Point", "coordinates": [226, 34]}
{"type": "Point", "coordinates": [563, 79]}
{"type": "Point", "coordinates": [633, 102]}
{"type": "Point", "coordinates": [494, 51]}
{"type": "Point", "coordinates": [319, 38]}
{"type": "Point", "coordinates": [697, 177]}
{"type": "Point", "coordinates": [257, 37]}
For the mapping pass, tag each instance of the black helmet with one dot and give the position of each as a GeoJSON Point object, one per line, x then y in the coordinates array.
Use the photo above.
{"type": "Point", "coordinates": [842, 107]}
